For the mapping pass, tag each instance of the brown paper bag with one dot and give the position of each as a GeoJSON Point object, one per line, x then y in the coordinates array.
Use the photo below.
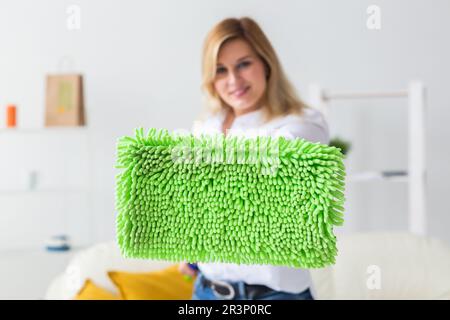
{"type": "Point", "coordinates": [64, 100]}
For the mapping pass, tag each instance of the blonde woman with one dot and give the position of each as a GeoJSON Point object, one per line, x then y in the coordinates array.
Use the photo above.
{"type": "Point", "coordinates": [248, 93]}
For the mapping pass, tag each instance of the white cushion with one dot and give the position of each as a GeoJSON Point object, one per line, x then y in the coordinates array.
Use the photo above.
{"type": "Point", "coordinates": [94, 263]}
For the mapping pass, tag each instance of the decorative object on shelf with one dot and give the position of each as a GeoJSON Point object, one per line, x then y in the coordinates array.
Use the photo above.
{"type": "Point", "coordinates": [58, 243]}
{"type": "Point", "coordinates": [64, 100]}
{"type": "Point", "coordinates": [342, 144]}
{"type": "Point", "coordinates": [223, 202]}
{"type": "Point", "coordinates": [11, 116]}
{"type": "Point", "coordinates": [386, 175]}
{"type": "Point", "coordinates": [394, 173]}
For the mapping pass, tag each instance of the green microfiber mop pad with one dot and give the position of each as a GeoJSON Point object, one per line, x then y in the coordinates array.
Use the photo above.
{"type": "Point", "coordinates": [217, 198]}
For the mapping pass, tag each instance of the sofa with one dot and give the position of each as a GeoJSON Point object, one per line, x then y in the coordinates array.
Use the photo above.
{"type": "Point", "coordinates": [378, 265]}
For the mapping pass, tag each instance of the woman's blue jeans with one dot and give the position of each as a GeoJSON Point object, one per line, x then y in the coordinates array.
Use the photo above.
{"type": "Point", "coordinates": [202, 292]}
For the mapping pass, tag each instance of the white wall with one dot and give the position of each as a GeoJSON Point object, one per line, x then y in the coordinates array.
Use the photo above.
{"type": "Point", "coordinates": [141, 61]}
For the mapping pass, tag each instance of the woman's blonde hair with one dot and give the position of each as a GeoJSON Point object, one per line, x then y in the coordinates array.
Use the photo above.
{"type": "Point", "coordinates": [280, 97]}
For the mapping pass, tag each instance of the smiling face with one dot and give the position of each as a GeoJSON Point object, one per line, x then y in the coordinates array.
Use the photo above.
{"type": "Point", "coordinates": [240, 77]}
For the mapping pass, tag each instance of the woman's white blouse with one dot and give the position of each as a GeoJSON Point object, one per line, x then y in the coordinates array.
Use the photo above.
{"type": "Point", "coordinates": [310, 126]}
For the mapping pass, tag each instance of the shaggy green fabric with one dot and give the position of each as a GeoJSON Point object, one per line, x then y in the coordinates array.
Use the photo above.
{"type": "Point", "coordinates": [218, 198]}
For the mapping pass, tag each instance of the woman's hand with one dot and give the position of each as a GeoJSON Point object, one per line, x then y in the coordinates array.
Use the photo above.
{"type": "Point", "coordinates": [184, 268]}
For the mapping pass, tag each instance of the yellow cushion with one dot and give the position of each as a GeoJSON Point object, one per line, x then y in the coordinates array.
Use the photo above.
{"type": "Point", "coordinates": [166, 284]}
{"type": "Point", "coordinates": [90, 291]}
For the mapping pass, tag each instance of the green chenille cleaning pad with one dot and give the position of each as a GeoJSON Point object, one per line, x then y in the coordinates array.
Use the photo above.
{"type": "Point", "coordinates": [217, 198]}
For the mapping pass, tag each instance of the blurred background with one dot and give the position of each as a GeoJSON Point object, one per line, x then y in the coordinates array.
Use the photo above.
{"type": "Point", "coordinates": [140, 65]}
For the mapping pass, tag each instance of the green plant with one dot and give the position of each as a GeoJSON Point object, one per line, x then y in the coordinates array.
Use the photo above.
{"type": "Point", "coordinates": [342, 144]}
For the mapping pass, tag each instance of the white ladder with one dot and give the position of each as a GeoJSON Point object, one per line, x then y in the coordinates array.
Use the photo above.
{"type": "Point", "coordinates": [416, 177]}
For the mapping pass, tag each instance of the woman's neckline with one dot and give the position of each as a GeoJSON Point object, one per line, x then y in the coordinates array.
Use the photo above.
{"type": "Point", "coordinates": [248, 115]}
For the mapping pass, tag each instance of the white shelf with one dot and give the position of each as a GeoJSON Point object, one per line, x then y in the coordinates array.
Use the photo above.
{"type": "Point", "coordinates": [38, 250]}
{"type": "Point", "coordinates": [416, 176]}
{"type": "Point", "coordinates": [44, 130]}
{"type": "Point", "coordinates": [23, 254]}
{"type": "Point", "coordinates": [43, 191]}
{"type": "Point", "coordinates": [376, 176]}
